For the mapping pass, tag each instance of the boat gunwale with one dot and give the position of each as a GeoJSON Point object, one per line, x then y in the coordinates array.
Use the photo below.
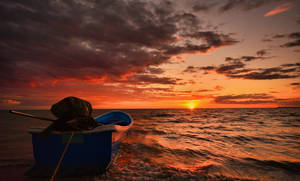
{"type": "Point", "coordinates": [99, 129]}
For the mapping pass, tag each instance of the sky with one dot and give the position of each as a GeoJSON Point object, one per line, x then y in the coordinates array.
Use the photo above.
{"type": "Point", "coordinates": [126, 54]}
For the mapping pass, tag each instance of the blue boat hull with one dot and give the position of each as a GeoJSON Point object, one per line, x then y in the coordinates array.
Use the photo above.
{"type": "Point", "coordinates": [89, 151]}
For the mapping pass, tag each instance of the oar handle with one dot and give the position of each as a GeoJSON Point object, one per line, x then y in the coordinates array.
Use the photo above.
{"type": "Point", "coordinates": [30, 115]}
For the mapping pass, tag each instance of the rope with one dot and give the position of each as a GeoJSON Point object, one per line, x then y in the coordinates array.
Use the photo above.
{"type": "Point", "coordinates": [61, 157]}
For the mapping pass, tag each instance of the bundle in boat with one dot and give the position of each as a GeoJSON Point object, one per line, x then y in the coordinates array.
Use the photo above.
{"type": "Point", "coordinates": [75, 143]}
{"type": "Point", "coordinates": [73, 114]}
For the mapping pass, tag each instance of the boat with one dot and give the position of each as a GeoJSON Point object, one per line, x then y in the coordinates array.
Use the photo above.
{"type": "Point", "coordinates": [90, 151]}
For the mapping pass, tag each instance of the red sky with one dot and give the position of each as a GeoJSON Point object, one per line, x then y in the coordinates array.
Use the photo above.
{"type": "Point", "coordinates": [150, 54]}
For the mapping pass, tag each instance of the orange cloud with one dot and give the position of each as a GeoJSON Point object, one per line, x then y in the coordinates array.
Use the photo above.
{"type": "Point", "coordinates": [11, 102]}
{"type": "Point", "coordinates": [279, 9]}
{"type": "Point", "coordinates": [32, 84]}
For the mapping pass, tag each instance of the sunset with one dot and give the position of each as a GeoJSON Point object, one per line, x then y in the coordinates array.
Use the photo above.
{"type": "Point", "coordinates": [144, 54]}
{"type": "Point", "coordinates": [201, 90]}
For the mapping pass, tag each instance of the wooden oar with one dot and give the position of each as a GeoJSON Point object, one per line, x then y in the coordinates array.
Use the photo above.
{"type": "Point", "coordinates": [48, 119]}
{"type": "Point", "coordinates": [30, 115]}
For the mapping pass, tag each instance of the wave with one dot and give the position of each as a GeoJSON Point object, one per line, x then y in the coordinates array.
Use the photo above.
{"type": "Point", "coordinates": [292, 167]}
{"type": "Point", "coordinates": [163, 115]}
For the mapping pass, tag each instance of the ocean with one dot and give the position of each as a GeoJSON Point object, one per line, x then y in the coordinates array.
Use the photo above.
{"type": "Point", "coordinates": [180, 144]}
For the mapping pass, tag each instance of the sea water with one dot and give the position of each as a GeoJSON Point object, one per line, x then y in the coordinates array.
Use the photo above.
{"type": "Point", "coordinates": [180, 144]}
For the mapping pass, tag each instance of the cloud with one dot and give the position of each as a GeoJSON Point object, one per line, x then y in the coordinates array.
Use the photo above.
{"type": "Point", "coordinates": [228, 5]}
{"type": "Point", "coordinates": [156, 70]}
{"type": "Point", "coordinates": [247, 58]}
{"type": "Point", "coordinates": [261, 52]}
{"type": "Point", "coordinates": [203, 90]}
{"type": "Point", "coordinates": [265, 73]}
{"type": "Point", "coordinates": [218, 87]}
{"type": "Point", "coordinates": [230, 67]}
{"type": "Point", "coordinates": [245, 5]}
{"type": "Point", "coordinates": [291, 65]}
{"type": "Point", "coordinates": [279, 9]}
{"type": "Point", "coordinates": [290, 102]}
{"type": "Point", "coordinates": [193, 69]}
{"type": "Point", "coordinates": [295, 85]}
{"type": "Point", "coordinates": [10, 102]}
{"type": "Point", "coordinates": [245, 99]}
{"type": "Point", "coordinates": [294, 43]}
{"type": "Point", "coordinates": [295, 35]}
{"type": "Point", "coordinates": [233, 66]}
{"type": "Point", "coordinates": [268, 73]}
{"type": "Point", "coordinates": [200, 6]}
{"type": "Point", "coordinates": [82, 40]}
{"type": "Point", "coordinates": [149, 79]}
{"type": "Point", "coordinates": [278, 36]}
{"type": "Point", "coordinates": [152, 70]}
{"type": "Point", "coordinates": [257, 99]}
{"type": "Point", "coordinates": [100, 95]}
{"type": "Point", "coordinates": [236, 68]}
{"type": "Point", "coordinates": [212, 40]}
{"type": "Point", "coordinates": [272, 37]}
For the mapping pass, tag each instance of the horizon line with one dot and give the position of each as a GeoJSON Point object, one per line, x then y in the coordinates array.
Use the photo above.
{"type": "Point", "coordinates": [174, 108]}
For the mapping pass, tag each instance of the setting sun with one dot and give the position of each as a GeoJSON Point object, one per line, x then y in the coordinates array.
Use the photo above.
{"type": "Point", "coordinates": [191, 105]}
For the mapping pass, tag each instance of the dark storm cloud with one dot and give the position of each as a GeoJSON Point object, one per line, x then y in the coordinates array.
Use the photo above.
{"type": "Point", "coordinates": [44, 40]}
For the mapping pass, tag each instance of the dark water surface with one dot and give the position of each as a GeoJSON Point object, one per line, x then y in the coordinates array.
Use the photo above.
{"type": "Point", "coordinates": [204, 144]}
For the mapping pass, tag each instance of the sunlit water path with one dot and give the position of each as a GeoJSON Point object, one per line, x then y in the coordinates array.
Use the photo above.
{"type": "Point", "coordinates": [175, 144]}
